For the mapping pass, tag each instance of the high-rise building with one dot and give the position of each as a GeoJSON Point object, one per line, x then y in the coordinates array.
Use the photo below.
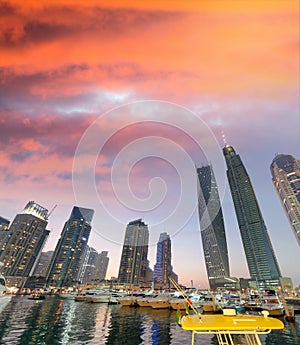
{"type": "Point", "coordinates": [163, 269]}
{"type": "Point", "coordinates": [95, 267]}
{"type": "Point", "coordinates": [133, 264]}
{"type": "Point", "coordinates": [212, 228]}
{"type": "Point", "coordinates": [4, 223]}
{"type": "Point", "coordinates": [28, 236]}
{"type": "Point", "coordinates": [5, 233]}
{"type": "Point", "coordinates": [260, 256]}
{"type": "Point", "coordinates": [43, 264]}
{"type": "Point", "coordinates": [66, 261]}
{"type": "Point", "coordinates": [102, 265]}
{"type": "Point", "coordinates": [285, 170]}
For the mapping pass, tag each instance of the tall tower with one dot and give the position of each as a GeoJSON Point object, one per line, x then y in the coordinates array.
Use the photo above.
{"type": "Point", "coordinates": [133, 265]}
{"type": "Point", "coordinates": [43, 264]}
{"type": "Point", "coordinates": [66, 261]}
{"type": "Point", "coordinates": [4, 224]}
{"type": "Point", "coordinates": [5, 233]}
{"type": "Point", "coordinates": [28, 235]}
{"type": "Point", "coordinates": [163, 268]}
{"type": "Point", "coordinates": [212, 228]}
{"type": "Point", "coordinates": [285, 170]}
{"type": "Point", "coordinates": [95, 267]}
{"type": "Point", "coordinates": [262, 263]}
{"type": "Point", "coordinates": [102, 265]}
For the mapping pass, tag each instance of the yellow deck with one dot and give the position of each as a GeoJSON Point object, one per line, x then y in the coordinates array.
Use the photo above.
{"type": "Point", "coordinates": [230, 324]}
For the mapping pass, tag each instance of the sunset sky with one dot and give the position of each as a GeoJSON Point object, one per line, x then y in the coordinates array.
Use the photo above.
{"type": "Point", "coordinates": [111, 104]}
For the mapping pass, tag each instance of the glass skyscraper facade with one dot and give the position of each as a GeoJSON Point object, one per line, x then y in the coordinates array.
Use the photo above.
{"type": "Point", "coordinates": [260, 256]}
{"type": "Point", "coordinates": [5, 234]}
{"type": "Point", "coordinates": [27, 236]}
{"type": "Point", "coordinates": [285, 170]}
{"type": "Point", "coordinates": [65, 265]}
{"type": "Point", "coordinates": [4, 223]}
{"type": "Point", "coordinates": [163, 269]}
{"type": "Point", "coordinates": [133, 265]}
{"type": "Point", "coordinates": [43, 264]}
{"type": "Point", "coordinates": [95, 267]}
{"type": "Point", "coordinates": [212, 227]}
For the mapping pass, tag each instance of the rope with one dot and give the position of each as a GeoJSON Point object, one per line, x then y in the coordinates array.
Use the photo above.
{"type": "Point", "coordinates": [188, 301]}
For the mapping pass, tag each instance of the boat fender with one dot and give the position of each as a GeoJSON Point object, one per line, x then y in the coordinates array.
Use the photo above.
{"type": "Point", "coordinates": [179, 316]}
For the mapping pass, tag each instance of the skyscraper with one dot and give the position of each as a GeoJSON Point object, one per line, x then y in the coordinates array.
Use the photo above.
{"type": "Point", "coordinates": [43, 264]}
{"type": "Point", "coordinates": [66, 261]}
{"type": "Point", "coordinates": [102, 265]}
{"type": "Point", "coordinates": [5, 233]}
{"type": "Point", "coordinates": [96, 266]}
{"type": "Point", "coordinates": [212, 228]}
{"type": "Point", "coordinates": [261, 260]}
{"type": "Point", "coordinates": [133, 265]}
{"type": "Point", "coordinates": [285, 170]}
{"type": "Point", "coordinates": [163, 269]}
{"type": "Point", "coordinates": [28, 235]}
{"type": "Point", "coordinates": [4, 223]}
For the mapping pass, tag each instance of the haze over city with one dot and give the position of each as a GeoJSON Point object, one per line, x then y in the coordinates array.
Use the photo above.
{"type": "Point", "coordinates": [111, 105]}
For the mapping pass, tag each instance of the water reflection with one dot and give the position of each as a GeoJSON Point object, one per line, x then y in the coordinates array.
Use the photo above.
{"type": "Point", "coordinates": [156, 326]}
{"type": "Point", "coordinates": [125, 327]}
{"type": "Point", "coordinates": [57, 321]}
{"type": "Point", "coordinates": [289, 335]}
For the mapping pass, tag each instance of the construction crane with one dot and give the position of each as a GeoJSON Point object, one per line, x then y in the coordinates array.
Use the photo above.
{"type": "Point", "coordinates": [53, 208]}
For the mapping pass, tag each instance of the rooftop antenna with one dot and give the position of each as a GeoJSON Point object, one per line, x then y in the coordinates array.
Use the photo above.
{"type": "Point", "coordinates": [224, 138]}
{"type": "Point", "coordinates": [49, 214]}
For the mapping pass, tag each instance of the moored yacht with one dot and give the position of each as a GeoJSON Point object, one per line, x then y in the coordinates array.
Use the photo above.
{"type": "Point", "coordinates": [253, 302]}
{"type": "Point", "coordinates": [178, 302]}
{"type": "Point", "coordinates": [130, 300]}
{"type": "Point", "coordinates": [161, 301]}
{"type": "Point", "coordinates": [210, 303]}
{"type": "Point", "coordinates": [144, 300]}
{"type": "Point", "coordinates": [272, 304]}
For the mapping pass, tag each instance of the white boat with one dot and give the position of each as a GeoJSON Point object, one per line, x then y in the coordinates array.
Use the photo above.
{"type": "Point", "coordinates": [83, 295]}
{"type": "Point", "coordinates": [253, 302]}
{"type": "Point", "coordinates": [144, 301]}
{"type": "Point", "coordinates": [183, 302]}
{"type": "Point", "coordinates": [130, 300]}
{"type": "Point", "coordinates": [229, 328]}
{"type": "Point", "coordinates": [98, 298]}
{"type": "Point", "coordinates": [272, 304]}
{"type": "Point", "coordinates": [103, 297]}
{"type": "Point", "coordinates": [161, 301]}
{"type": "Point", "coordinates": [210, 304]}
{"type": "Point", "coordinates": [4, 297]}
{"type": "Point", "coordinates": [178, 303]}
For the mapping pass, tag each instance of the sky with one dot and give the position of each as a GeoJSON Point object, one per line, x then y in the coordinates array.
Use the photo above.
{"type": "Point", "coordinates": [111, 105]}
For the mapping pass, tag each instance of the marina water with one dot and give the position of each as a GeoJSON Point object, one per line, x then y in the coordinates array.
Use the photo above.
{"type": "Point", "coordinates": [56, 320]}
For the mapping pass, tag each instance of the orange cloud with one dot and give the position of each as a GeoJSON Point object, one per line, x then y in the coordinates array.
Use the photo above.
{"type": "Point", "coordinates": [207, 46]}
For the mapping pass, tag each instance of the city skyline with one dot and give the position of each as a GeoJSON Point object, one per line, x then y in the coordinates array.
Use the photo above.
{"type": "Point", "coordinates": [207, 67]}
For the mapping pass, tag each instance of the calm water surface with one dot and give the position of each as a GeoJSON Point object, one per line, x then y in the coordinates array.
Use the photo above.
{"type": "Point", "coordinates": [63, 321]}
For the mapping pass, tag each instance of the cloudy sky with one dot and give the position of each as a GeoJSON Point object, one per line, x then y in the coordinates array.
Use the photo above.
{"type": "Point", "coordinates": [111, 104]}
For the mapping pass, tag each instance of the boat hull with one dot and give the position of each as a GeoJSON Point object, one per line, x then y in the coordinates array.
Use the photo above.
{"type": "Point", "coordinates": [157, 303]}
{"type": "Point", "coordinates": [4, 300]}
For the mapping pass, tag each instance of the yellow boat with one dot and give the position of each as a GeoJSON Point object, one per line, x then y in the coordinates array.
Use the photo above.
{"type": "Point", "coordinates": [229, 324]}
